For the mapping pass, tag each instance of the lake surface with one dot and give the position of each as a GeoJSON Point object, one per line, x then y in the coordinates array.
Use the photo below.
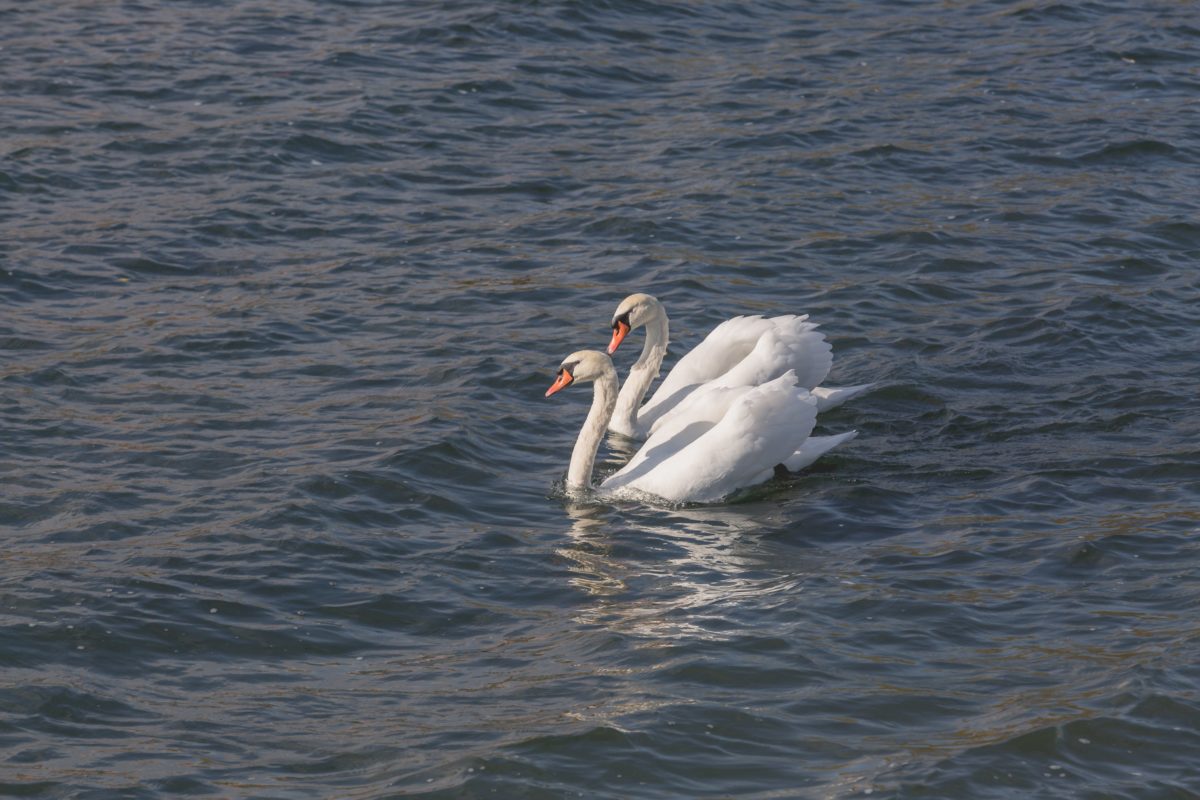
{"type": "Point", "coordinates": [282, 286]}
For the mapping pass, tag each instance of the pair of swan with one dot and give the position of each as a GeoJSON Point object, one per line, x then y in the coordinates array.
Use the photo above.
{"type": "Point", "coordinates": [743, 402]}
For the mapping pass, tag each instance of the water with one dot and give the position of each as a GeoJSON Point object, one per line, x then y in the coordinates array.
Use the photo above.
{"type": "Point", "coordinates": [283, 285]}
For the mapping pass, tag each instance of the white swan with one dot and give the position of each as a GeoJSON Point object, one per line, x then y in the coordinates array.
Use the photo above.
{"type": "Point", "coordinates": [742, 434]}
{"type": "Point", "coordinates": [743, 351]}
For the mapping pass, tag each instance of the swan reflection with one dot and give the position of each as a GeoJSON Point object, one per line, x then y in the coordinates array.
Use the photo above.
{"type": "Point", "coordinates": [668, 574]}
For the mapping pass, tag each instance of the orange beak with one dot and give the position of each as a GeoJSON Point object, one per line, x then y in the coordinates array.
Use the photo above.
{"type": "Point", "coordinates": [620, 331]}
{"type": "Point", "coordinates": [561, 382]}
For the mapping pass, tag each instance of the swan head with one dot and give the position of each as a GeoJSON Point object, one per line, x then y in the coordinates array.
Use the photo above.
{"type": "Point", "coordinates": [580, 367]}
{"type": "Point", "coordinates": [633, 312]}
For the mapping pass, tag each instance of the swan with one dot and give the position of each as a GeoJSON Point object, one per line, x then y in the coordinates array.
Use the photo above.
{"type": "Point", "coordinates": [738, 440]}
{"type": "Point", "coordinates": [742, 351]}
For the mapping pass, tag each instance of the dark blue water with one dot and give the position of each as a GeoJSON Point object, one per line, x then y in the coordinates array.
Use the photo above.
{"type": "Point", "coordinates": [282, 285]}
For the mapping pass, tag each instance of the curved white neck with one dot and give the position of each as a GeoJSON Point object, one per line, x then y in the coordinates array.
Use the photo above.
{"type": "Point", "coordinates": [641, 375]}
{"type": "Point", "coordinates": [583, 457]}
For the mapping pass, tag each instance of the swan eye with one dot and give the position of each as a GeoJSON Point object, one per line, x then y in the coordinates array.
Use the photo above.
{"type": "Point", "coordinates": [621, 320]}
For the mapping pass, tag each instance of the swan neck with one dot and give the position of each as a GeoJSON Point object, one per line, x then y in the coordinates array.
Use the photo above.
{"type": "Point", "coordinates": [583, 457]}
{"type": "Point", "coordinates": [642, 374]}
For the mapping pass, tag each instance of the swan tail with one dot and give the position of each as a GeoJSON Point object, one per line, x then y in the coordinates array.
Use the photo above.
{"type": "Point", "coordinates": [814, 447]}
{"type": "Point", "coordinates": [828, 398]}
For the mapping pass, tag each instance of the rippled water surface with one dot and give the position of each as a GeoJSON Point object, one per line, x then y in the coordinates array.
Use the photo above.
{"type": "Point", "coordinates": [282, 285]}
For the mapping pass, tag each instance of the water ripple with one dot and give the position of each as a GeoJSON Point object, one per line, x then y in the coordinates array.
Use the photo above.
{"type": "Point", "coordinates": [283, 505]}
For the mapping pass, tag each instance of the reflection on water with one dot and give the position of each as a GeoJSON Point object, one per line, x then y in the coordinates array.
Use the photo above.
{"type": "Point", "coordinates": [686, 564]}
{"type": "Point", "coordinates": [685, 586]}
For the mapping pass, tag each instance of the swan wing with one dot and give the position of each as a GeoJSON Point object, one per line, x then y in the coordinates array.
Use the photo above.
{"type": "Point", "coordinates": [724, 347]}
{"type": "Point", "coordinates": [698, 414]}
{"type": "Point", "coordinates": [807, 351]}
{"type": "Point", "coordinates": [799, 348]}
{"type": "Point", "coordinates": [763, 426]}
{"type": "Point", "coordinates": [736, 339]}
{"type": "Point", "coordinates": [744, 351]}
